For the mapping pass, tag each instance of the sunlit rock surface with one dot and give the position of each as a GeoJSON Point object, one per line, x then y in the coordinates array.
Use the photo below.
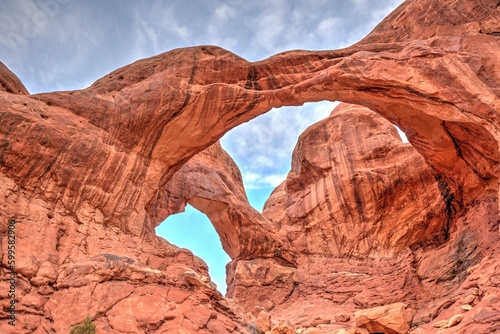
{"type": "Point", "coordinates": [212, 183]}
{"type": "Point", "coordinates": [85, 175]}
{"type": "Point", "coordinates": [355, 189]}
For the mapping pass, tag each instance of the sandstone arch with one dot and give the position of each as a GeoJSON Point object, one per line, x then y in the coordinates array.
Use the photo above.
{"type": "Point", "coordinates": [84, 171]}
{"type": "Point", "coordinates": [146, 107]}
{"type": "Point", "coordinates": [211, 182]}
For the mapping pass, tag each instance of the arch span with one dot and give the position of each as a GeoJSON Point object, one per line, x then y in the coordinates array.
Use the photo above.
{"type": "Point", "coordinates": [211, 182]}
{"type": "Point", "coordinates": [97, 160]}
{"type": "Point", "coordinates": [438, 83]}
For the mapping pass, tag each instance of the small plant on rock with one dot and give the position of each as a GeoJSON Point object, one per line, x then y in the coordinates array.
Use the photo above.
{"type": "Point", "coordinates": [86, 328]}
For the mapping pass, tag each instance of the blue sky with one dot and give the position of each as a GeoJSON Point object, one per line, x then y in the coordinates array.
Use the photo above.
{"type": "Point", "coordinates": [68, 44]}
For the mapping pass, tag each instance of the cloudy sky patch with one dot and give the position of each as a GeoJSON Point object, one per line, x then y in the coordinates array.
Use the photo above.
{"type": "Point", "coordinates": [263, 147]}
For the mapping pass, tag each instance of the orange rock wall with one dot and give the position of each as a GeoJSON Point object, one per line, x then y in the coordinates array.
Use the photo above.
{"type": "Point", "coordinates": [87, 175]}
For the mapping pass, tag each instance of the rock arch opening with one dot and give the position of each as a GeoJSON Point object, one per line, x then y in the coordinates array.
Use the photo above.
{"type": "Point", "coordinates": [218, 207]}
{"type": "Point", "coordinates": [402, 135]}
{"type": "Point", "coordinates": [212, 182]}
{"type": "Point", "coordinates": [262, 148]}
{"type": "Point", "coordinates": [193, 230]}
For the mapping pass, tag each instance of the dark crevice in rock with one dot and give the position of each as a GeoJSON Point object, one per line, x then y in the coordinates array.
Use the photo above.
{"type": "Point", "coordinates": [287, 296]}
{"type": "Point", "coordinates": [450, 204]}
{"type": "Point", "coordinates": [460, 155]}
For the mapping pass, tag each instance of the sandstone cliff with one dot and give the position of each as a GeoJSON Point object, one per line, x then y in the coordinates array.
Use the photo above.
{"type": "Point", "coordinates": [362, 220]}
{"type": "Point", "coordinates": [367, 217]}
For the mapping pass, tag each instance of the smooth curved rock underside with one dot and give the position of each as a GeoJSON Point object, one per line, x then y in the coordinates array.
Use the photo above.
{"type": "Point", "coordinates": [363, 222]}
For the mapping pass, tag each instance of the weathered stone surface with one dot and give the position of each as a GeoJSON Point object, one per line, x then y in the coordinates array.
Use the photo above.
{"type": "Point", "coordinates": [282, 328]}
{"type": "Point", "coordinates": [389, 319]}
{"type": "Point", "coordinates": [342, 317]}
{"type": "Point", "coordinates": [455, 320]}
{"type": "Point", "coordinates": [9, 82]}
{"type": "Point", "coordinates": [85, 174]}
{"type": "Point", "coordinates": [321, 209]}
{"type": "Point", "coordinates": [355, 189]}
{"type": "Point", "coordinates": [131, 283]}
{"type": "Point", "coordinates": [212, 183]}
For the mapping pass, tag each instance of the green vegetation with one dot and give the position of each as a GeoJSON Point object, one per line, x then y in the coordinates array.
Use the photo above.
{"type": "Point", "coordinates": [86, 328]}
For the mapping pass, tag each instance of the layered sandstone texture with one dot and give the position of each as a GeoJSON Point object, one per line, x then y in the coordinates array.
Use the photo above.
{"type": "Point", "coordinates": [365, 234]}
{"type": "Point", "coordinates": [212, 183]}
{"type": "Point", "coordinates": [370, 225]}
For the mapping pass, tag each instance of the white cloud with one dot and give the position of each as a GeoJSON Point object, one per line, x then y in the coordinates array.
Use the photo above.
{"type": "Point", "coordinates": [219, 28]}
{"type": "Point", "coordinates": [328, 25]}
{"type": "Point", "coordinates": [158, 28]}
{"type": "Point", "coordinates": [324, 109]}
{"type": "Point", "coordinates": [270, 26]}
{"type": "Point", "coordinates": [360, 4]}
{"type": "Point", "coordinates": [224, 12]}
{"type": "Point", "coordinates": [401, 134]}
{"type": "Point", "coordinates": [274, 180]}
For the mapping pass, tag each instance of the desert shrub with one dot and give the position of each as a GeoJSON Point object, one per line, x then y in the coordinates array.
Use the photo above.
{"type": "Point", "coordinates": [86, 328]}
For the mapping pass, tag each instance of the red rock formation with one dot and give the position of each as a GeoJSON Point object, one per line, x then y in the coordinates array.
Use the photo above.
{"type": "Point", "coordinates": [355, 189]}
{"type": "Point", "coordinates": [365, 214]}
{"type": "Point", "coordinates": [85, 174]}
{"type": "Point", "coordinates": [211, 182]}
{"type": "Point", "coordinates": [390, 319]}
{"type": "Point", "coordinates": [9, 82]}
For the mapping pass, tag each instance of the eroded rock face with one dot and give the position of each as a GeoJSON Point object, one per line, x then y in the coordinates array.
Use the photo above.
{"type": "Point", "coordinates": [391, 319]}
{"type": "Point", "coordinates": [211, 182]}
{"type": "Point", "coordinates": [355, 189]}
{"type": "Point", "coordinates": [371, 225]}
{"type": "Point", "coordinates": [85, 175]}
{"type": "Point", "coordinates": [9, 82]}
